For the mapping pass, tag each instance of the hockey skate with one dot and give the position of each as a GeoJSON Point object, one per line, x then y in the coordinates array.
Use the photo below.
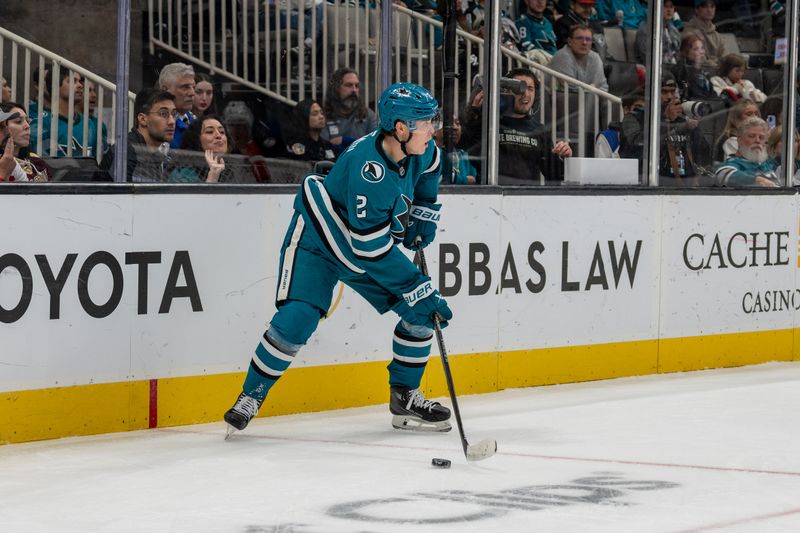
{"type": "Point", "coordinates": [413, 412]}
{"type": "Point", "coordinates": [242, 412]}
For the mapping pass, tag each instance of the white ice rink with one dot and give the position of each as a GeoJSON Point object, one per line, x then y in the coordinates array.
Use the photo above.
{"type": "Point", "coordinates": [705, 451]}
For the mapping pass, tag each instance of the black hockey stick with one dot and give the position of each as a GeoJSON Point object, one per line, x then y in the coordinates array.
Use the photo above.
{"type": "Point", "coordinates": [473, 452]}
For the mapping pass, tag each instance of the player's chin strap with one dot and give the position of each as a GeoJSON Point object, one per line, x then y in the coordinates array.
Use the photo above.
{"type": "Point", "coordinates": [403, 143]}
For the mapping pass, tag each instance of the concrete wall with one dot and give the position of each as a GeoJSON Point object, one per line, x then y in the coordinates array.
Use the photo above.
{"type": "Point", "coordinates": [82, 31]}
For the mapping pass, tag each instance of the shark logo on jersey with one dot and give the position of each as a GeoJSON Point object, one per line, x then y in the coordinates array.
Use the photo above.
{"type": "Point", "coordinates": [373, 172]}
{"type": "Point", "coordinates": [400, 217]}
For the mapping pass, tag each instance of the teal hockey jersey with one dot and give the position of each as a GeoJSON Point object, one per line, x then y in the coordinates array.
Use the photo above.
{"type": "Point", "coordinates": [358, 213]}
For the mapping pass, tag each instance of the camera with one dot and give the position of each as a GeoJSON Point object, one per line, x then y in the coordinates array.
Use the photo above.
{"type": "Point", "coordinates": [507, 85]}
{"type": "Point", "coordinates": [696, 108]}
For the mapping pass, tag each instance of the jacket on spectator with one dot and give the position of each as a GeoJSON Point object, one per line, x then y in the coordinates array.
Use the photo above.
{"type": "Point", "coordinates": [684, 152]}
{"type": "Point", "coordinates": [536, 33]}
{"type": "Point", "coordinates": [588, 70]}
{"type": "Point", "coordinates": [743, 172]}
{"type": "Point", "coordinates": [670, 43]}
{"type": "Point", "coordinates": [349, 127]}
{"type": "Point", "coordinates": [745, 89]}
{"type": "Point", "coordinates": [694, 82]}
{"type": "Point", "coordinates": [634, 12]}
{"type": "Point", "coordinates": [525, 149]}
{"type": "Point", "coordinates": [461, 167]}
{"type": "Point", "coordinates": [713, 41]}
{"type": "Point", "coordinates": [191, 167]}
{"type": "Point", "coordinates": [144, 163]}
{"type": "Point", "coordinates": [309, 149]}
{"type": "Point", "coordinates": [30, 167]}
{"type": "Point", "coordinates": [631, 136]}
{"type": "Point", "coordinates": [725, 146]}
{"type": "Point", "coordinates": [62, 134]}
{"type": "Point", "coordinates": [181, 123]}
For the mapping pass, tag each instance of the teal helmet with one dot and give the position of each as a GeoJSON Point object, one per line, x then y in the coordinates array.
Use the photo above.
{"type": "Point", "coordinates": [408, 103]}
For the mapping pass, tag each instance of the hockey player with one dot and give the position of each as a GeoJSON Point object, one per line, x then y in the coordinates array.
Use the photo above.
{"type": "Point", "coordinates": [348, 226]}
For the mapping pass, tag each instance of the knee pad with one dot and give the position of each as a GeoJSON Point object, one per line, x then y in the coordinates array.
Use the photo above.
{"type": "Point", "coordinates": [293, 324]}
{"type": "Point", "coordinates": [420, 332]}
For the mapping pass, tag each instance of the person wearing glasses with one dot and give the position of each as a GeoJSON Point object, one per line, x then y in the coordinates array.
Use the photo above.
{"type": "Point", "coordinates": [149, 141]}
{"type": "Point", "coordinates": [578, 60]}
{"type": "Point", "coordinates": [17, 162]}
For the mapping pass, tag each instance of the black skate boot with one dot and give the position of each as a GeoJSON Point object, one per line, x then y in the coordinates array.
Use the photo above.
{"type": "Point", "coordinates": [412, 411]}
{"type": "Point", "coordinates": [242, 412]}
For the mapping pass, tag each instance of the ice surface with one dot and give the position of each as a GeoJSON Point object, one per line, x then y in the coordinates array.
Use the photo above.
{"type": "Point", "coordinates": [705, 451]}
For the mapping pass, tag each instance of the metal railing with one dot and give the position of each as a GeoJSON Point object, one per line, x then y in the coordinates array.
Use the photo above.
{"type": "Point", "coordinates": [47, 110]}
{"type": "Point", "coordinates": [287, 50]}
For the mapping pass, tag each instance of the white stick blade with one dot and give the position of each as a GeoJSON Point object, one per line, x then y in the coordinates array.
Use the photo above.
{"type": "Point", "coordinates": [482, 450]}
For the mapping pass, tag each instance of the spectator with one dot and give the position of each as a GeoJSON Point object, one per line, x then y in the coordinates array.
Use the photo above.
{"type": "Point", "coordinates": [149, 140]}
{"type": "Point", "coordinates": [475, 17]}
{"type": "Point", "coordinates": [750, 166]}
{"type": "Point", "coordinates": [65, 138]}
{"type": "Point", "coordinates": [464, 172]}
{"type": "Point", "coordinates": [581, 13]}
{"type": "Point", "coordinates": [772, 111]}
{"type": "Point", "coordinates": [730, 83]}
{"type": "Point", "coordinates": [525, 145]}
{"type": "Point", "coordinates": [578, 60]}
{"type": "Point", "coordinates": [208, 135]}
{"type": "Point", "coordinates": [5, 90]}
{"type": "Point", "coordinates": [702, 24]}
{"type": "Point", "coordinates": [627, 13]}
{"type": "Point", "coordinates": [91, 94]}
{"type": "Point", "coordinates": [17, 162]}
{"type": "Point", "coordinates": [348, 116]}
{"type": "Point", "coordinates": [775, 152]}
{"type": "Point", "coordinates": [684, 153]}
{"type": "Point", "coordinates": [91, 91]}
{"type": "Point", "coordinates": [461, 20]}
{"type": "Point", "coordinates": [203, 95]}
{"type": "Point", "coordinates": [692, 72]}
{"type": "Point", "coordinates": [537, 38]}
{"type": "Point", "coordinates": [303, 139]}
{"type": "Point", "coordinates": [670, 38]}
{"type": "Point", "coordinates": [632, 134]}
{"type": "Point", "coordinates": [608, 142]}
{"type": "Point", "coordinates": [278, 15]}
{"type": "Point", "coordinates": [239, 121]}
{"type": "Point", "coordinates": [178, 78]}
{"type": "Point", "coordinates": [727, 144]}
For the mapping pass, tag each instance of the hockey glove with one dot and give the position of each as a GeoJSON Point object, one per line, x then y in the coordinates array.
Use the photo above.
{"type": "Point", "coordinates": [419, 305]}
{"type": "Point", "coordinates": [422, 222]}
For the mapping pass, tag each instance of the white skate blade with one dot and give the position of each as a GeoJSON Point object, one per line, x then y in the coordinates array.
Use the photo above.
{"type": "Point", "coordinates": [412, 423]}
{"type": "Point", "coordinates": [229, 431]}
{"type": "Point", "coordinates": [482, 450]}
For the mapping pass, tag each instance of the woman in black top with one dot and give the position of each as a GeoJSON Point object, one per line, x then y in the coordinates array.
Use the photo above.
{"type": "Point", "coordinates": [303, 140]}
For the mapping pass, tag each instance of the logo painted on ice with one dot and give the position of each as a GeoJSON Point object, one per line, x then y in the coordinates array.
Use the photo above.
{"type": "Point", "coordinates": [373, 172]}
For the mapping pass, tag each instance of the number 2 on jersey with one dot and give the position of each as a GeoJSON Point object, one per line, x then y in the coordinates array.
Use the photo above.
{"type": "Point", "coordinates": [361, 206]}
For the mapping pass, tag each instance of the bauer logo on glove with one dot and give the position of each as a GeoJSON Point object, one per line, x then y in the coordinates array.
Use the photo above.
{"type": "Point", "coordinates": [418, 294]}
{"type": "Point", "coordinates": [423, 213]}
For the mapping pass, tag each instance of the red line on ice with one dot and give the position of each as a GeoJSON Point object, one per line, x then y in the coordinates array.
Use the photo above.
{"type": "Point", "coordinates": [757, 518]}
{"type": "Point", "coordinates": [514, 454]}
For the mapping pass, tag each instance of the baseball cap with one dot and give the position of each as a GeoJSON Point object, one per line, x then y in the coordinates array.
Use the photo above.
{"type": "Point", "coordinates": [586, 2]}
{"type": "Point", "coordinates": [668, 79]}
{"type": "Point", "coordinates": [698, 3]}
{"type": "Point", "coordinates": [4, 115]}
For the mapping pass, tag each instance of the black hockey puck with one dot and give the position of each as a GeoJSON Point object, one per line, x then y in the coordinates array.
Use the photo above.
{"type": "Point", "coordinates": [440, 463]}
